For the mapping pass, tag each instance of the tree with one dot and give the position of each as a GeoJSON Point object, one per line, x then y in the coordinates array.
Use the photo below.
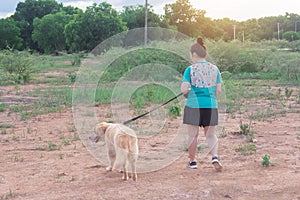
{"type": "Point", "coordinates": [48, 31]}
{"type": "Point", "coordinates": [226, 25]}
{"type": "Point", "coordinates": [70, 10]}
{"type": "Point", "coordinates": [252, 29]}
{"type": "Point", "coordinates": [27, 11]}
{"type": "Point", "coordinates": [90, 28]}
{"type": "Point", "coordinates": [185, 17]}
{"type": "Point", "coordinates": [134, 16]}
{"type": "Point", "coordinates": [10, 34]}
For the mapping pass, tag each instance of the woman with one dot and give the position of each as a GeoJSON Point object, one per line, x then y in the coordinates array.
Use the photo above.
{"type": "Point", "coordinates": [202, 84]}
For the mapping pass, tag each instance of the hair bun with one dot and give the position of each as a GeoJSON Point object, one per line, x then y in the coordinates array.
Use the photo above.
{"type": "Point", "coordinates": [200, 41]}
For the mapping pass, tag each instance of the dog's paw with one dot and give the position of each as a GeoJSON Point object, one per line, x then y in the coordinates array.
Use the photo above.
{"type": "Point", "coordinates": [108, 169]}
{"type": "Point", "coordinates": [125, 178]}
{"type": "Point", "coordinates": [134, 178]}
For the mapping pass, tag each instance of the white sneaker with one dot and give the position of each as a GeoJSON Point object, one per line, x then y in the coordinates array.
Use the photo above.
{"type": "Point", "coordinates": [217, 164]}
{"type": "Point", "coordinates": [192, 165]}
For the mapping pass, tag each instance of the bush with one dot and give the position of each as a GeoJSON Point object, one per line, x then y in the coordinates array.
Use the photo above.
{"type": "Point", "coordinates": [291, 36]}
{"type": "Point", "coordinates": [16, 67]}
{"type": "Point", "coordinates": [236, 57]}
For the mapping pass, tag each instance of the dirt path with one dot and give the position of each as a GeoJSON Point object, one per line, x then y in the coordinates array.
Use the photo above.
{"type": "Point", "coordinates": [43, 158]}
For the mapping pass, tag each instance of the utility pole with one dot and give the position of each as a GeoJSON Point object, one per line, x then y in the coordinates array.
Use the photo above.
{"type": "Point", "coordinates": [234, 27]}
{"type": "Point", "coordinates": [146, 23]}
{"type": "Point", "coordinates": [296, 26]}
{"type": "Point", "coordinates": [243, 34]}
{"type": "Point", "coordinates": [278, 31]}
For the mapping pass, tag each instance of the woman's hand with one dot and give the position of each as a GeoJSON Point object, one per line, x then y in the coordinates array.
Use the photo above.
{"type": "Point", "coordinates": [185, 88]}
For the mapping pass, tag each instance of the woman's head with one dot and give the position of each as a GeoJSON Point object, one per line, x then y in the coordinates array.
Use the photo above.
{"type": "Point", "coordinates": [199, 48]}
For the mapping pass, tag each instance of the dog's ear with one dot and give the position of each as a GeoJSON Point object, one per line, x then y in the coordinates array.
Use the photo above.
{"type": "Point", "coordinates": [103, 126]}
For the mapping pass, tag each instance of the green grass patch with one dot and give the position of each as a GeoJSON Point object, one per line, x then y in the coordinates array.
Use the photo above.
{"type": "Point", "coordinates": [247, 149]}
{"type": "Point", "coordinates": [6, 126]}
{"type": "Point", "coordinates": [2, 107]}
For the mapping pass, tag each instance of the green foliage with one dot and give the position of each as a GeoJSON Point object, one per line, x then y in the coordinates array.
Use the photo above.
{"type": "Point", "coordinates": [52, 146]}
{"type": "Point", "coordinates": [10, 34]}
{"type": "Point", "coordinates": [2, 107]}
{"type": "Point", "coordinates": [288, 92]}
{"type": "Point", "coordinates": [245, 128]}
{"type": "Point", "coordinates": [89, 29]}
{"type": "Point", "coordinates": [266, 161]}
{"type": "Point", "coordinates": [27, 11]}
{"type": "Point", "coordinates": [6, 126]}
{"type": "Point", "coordinates": [235, 57]}
{"type": "Point", "coordinates": [139, 57]}
{"type": "Point", "coordinates": [16, 67]}
{"type": "Point", "coordinates": [53, 25]}
{"type": "Point", "coordinates": [76, 59]}
{"type": "Point", "coordinates": [72, 77]}
{"type": "Point", "coordinates": [99, 22]}
{"type": "Point", "coordinates": [3, 131]}
{"type": "Point", "coordinates": [247, 149]}
{"type": "Point", "coordinates": [186, 18]}
{"type": "Point", "coordinates": [291, 36]}
{"type": "Point", "coordinates": [174, 111]}
{"type": "Point", "coordinates": [150, 94]}
{"type": "Point", "coordinates": [134, 16]}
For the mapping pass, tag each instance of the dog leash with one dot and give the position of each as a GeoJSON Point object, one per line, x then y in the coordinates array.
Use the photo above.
{"type": "Point", "coordinates": [153, 109]}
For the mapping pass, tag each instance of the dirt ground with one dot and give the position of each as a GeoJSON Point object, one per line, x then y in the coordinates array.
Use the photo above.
{"type": "Point", "coordinates": [43, 158]}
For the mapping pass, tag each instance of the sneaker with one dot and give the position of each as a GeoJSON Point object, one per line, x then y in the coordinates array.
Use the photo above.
{"type": "Point", "coordinates": [217, 164]}
{"type": "Point", "coordinates": [192, 165]}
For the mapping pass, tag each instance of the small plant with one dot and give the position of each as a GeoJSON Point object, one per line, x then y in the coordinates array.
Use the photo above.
{"type": "Point", "coordinates": [201, 147]}
{"type": "Point", "coordinates": [245, 128]}
{"type": "Point", "coordinates": [76, 60]}
{"type": "Point", "coordinates": [72, 77]}
{"type": "Point", "coordinates": [3, 131]}
{"type": "Point", "coordinates": [15, 138]}
{"type": "Point", "coordinates": [2, 107]}
{"type": "Point", "coordinates": [247, 149]}
{"type": "Point", "coordinates": [266, 161]}
{"type": "Point", "coordinates": [223, 133]}
{"type": "Point", "coordinates": [6, 126]}
{"type": "Point", "coordinates": [288, 92]}
{"type": "Point", "coordinates": [17, 66]}
{"type": "Point", "coordinates": [174, 111]}
{"type": "Point", "coordinates": [10, 193]}
{"type": "Point", "coordinates": [52, 146]}
{"type": "Point", "coordinates": [66, 142]}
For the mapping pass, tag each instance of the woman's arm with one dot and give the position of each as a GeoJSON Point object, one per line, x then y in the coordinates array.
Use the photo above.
{"type": "Point", "coordinates": [218, 90]}
{"type": "Point", "coordinates": [185, 86]}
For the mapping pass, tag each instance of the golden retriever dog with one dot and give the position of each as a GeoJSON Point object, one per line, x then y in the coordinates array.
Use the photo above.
{"type": "Point", "coordinates": [122, 147]}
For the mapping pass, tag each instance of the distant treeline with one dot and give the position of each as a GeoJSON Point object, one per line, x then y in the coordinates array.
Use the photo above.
{"type": "Point", "coordinates": [48, 26]}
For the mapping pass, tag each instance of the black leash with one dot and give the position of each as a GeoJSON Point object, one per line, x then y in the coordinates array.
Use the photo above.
{"type": "Point", "coordinates": [142, 115]}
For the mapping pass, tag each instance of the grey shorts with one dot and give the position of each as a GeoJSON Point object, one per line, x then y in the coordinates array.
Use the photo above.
{"type": "Point", "coordinates": [200, 116]}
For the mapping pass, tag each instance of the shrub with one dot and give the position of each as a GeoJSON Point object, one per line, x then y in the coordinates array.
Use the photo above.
{"type": "Point", "coordinates": [266, 161]}
{"type": "Point", "coordinates": [291, 36]}
{"type": "Point", "coordinates": [16, 67]}
{"type": "Point", "coordinates": [174, 111]}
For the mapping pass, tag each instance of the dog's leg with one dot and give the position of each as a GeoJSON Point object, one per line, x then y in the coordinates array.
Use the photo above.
{"type": "Point", "coordinates": [133, 167]}
{"type": "Point", "coordinates": [111, 154]}
{"type": "Point", "coordinates": [125, 173]}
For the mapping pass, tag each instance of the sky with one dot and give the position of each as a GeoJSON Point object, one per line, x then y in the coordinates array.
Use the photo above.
{"type": "Point", "coordinates": [239, 10]}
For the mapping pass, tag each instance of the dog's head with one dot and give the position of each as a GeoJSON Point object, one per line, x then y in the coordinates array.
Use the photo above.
{"type": "Point", "coordinates": [99, 131]}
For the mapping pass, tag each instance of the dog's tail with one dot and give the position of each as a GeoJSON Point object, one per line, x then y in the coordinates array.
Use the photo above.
{"type": "Point", "coordinates": [126, 150]}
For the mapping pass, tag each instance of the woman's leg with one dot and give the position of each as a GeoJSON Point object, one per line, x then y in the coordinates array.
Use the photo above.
{"type": "Point", "coordinates": [213, 145]}
{"type": "Point", "coordinates": [212, 140]}
{"type": "Point", "coordinates": [193, 132]}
